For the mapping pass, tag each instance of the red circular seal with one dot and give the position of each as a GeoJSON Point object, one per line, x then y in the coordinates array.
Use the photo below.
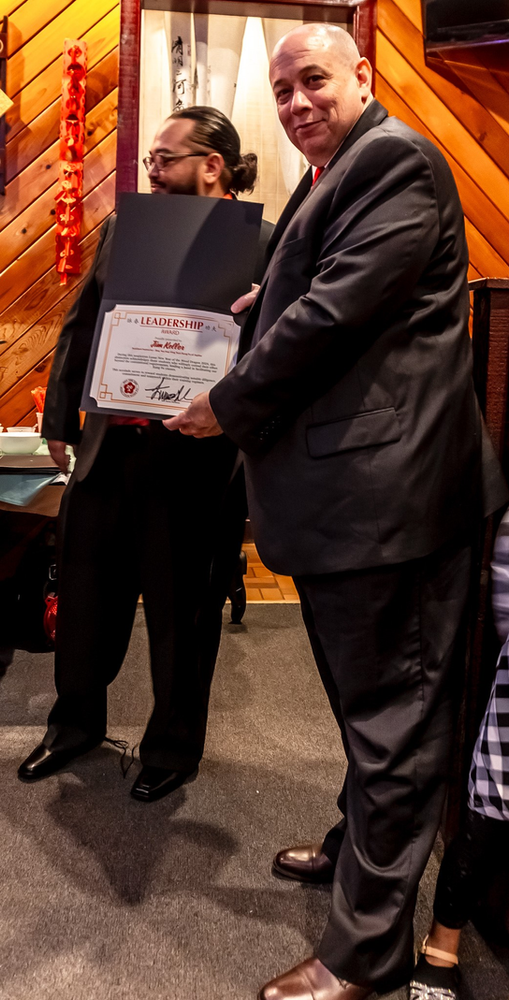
{"type": "Point", "coordinates": [129, 387]}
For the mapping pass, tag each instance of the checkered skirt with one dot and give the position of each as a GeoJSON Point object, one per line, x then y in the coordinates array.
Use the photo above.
{"type": "Point", "coordinates": [488, 785]}
{"type": "Point", "coordinates": [489, 775]}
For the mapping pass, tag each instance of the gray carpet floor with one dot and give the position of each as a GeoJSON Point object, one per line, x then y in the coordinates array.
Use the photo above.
{"type": "Point", "coordinates": [105, 898]}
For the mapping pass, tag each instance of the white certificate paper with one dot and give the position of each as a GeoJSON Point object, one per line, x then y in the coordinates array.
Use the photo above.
{"type": "Point", "coordinates": [153, 360]}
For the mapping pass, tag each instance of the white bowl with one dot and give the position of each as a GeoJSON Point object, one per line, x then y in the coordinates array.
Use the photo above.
{"type": "Point", "coordinates": [20, 429]}
{"type": "Point", "coordinates": [19, 444]}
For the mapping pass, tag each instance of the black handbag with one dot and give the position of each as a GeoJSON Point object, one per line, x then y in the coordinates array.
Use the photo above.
{"type": "Point", "coordinates": [29, 597]}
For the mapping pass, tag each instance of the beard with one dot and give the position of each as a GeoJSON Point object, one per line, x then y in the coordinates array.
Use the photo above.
{"type": "Point", "coordinates": [176, 187]}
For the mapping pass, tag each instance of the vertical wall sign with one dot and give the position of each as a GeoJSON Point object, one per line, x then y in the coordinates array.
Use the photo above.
{"type": "Point", "coordinates": [5, 101]}
{"type": "Point", "coordinates": [72, 149]}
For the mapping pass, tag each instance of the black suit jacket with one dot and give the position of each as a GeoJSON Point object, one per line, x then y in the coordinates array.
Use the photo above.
{"type": "Point", "coordinates": [65, 386]}
{"type": "Point", "coordinates": [355, 404]}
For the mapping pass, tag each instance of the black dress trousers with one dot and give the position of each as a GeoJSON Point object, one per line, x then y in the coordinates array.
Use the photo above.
{"type": "Point", "coordinates": [158, 516]}
{"type": "Point", "coordinates": [389, 644]}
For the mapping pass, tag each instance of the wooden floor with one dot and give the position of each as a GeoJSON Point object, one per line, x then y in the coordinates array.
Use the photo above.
{"type": "Point", "coordinates": [262, 585]}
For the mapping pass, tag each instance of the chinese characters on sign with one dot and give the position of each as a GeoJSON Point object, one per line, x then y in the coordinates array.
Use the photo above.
{"type": "Point", "coordinates": [180, 66]}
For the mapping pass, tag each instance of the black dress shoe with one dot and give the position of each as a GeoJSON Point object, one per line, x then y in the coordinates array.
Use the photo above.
{"type": "Point", "coordinates": [305, 863]}
{"type": "Point", "coordinates": [43, 762]}
{"type": "Point", "coordinates": [154, 782]}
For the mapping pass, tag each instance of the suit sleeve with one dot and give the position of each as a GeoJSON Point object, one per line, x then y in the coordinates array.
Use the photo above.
{"type": "Point", "coordinates": [378, 237]}
{"type": "Point", "coordinates": [65, 385]}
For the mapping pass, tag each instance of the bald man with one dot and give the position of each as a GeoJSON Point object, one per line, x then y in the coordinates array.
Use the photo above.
{"type": "Point", "coordinates": [356, 411]}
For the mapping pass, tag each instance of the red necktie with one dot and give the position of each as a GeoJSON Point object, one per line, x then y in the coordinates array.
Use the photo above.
{"type": "Point", "coordinates": [318, 172]}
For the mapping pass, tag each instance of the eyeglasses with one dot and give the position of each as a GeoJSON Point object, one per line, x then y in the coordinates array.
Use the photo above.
{"type": "Point", "coordinates": [161, 160]}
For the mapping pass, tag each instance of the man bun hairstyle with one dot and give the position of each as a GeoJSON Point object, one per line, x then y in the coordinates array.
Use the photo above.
{"type": "Point", "coordinates": [215, 130]}
{"type": "Point", "coordinates": [244, 175]}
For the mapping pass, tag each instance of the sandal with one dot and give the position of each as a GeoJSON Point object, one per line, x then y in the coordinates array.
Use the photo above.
{"type": "Point", "coordinates": [434, 982]}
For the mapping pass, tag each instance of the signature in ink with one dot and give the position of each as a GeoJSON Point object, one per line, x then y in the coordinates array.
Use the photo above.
{"type": "Point", "coordinates": [160, 392]}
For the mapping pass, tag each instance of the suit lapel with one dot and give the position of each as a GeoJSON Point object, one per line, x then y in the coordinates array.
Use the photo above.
{"type": "Point", "coordinates": [374, 114]}
{"type": "Point", "coordinates": [296, 199]}
{"type": "Point", "coordinates": [289, 210]}
{"type": "Point", "coordinates": [299, 195]}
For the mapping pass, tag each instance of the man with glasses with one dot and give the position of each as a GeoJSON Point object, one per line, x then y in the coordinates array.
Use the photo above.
{"type": "Point", "coordinates": [145, 513]}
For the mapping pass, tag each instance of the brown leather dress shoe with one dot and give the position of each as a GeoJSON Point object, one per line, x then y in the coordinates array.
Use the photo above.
{"type": "Point", "coordinates": [311, 981]}
{"type": "Point", "coordinates": [305, 863]}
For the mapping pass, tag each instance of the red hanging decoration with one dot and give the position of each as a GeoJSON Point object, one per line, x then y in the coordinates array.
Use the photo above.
{"type": "Point", "coordinates": [72, 149]}
{"type": "Point", "coordinates": [50, 616]}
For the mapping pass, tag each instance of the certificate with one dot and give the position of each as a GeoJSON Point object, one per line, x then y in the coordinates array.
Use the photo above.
{"type": "Point", "coordinates": [153, 360]}
{"type": "Point", "coordinates": [164, 331]}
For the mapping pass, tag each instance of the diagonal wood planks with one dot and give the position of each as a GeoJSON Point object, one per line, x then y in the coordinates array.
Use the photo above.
{"type": "Point", "coordinates": [31, 224]}
{"type": "Point", "coordinates": [38, 53]}
{"type": "Point", "coordinates": [481, 212]}
{"type": "Point", "coordinates": [465, 114]}
{"type": "Point", "coordinates": [32, 301]}
{"type": "Point", "coordinates": [45, 88]}
{"type": "Point", "coordinates": [43, 172]}
{"type": "Point", "coordinates": [40, 257]}
{"type": "Point", "coordinates": [475, 117]}
{"type": "Point", "coordinates": [41, 297]}
{"type": "Point", "coordinates": [29, 18]}
{"type": "Point", "coordinates": [29, 143]}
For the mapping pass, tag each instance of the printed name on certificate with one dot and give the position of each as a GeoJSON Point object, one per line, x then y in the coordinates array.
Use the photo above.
{"type": "Point", "coordinates": [154, 360]}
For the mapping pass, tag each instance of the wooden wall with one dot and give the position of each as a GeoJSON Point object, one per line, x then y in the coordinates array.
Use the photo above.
{"type": "Point", "coordinates": [32, 301]}
{"type": "Point", "coordinates": [464, 110]}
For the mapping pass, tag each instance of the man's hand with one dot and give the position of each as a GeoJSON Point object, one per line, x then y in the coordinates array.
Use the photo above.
{"type": "Point", "coordinates": [197, 421]}
{"type": "Point", "coordinates": [245, 301]}
{"type": "Point", "coordinates": [57, 452]}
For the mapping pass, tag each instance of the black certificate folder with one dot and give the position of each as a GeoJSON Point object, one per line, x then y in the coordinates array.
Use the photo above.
{"type": "Point", "coordinates": [177, 250]}
{"type": "Point", "coordinates": [183, 250]}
